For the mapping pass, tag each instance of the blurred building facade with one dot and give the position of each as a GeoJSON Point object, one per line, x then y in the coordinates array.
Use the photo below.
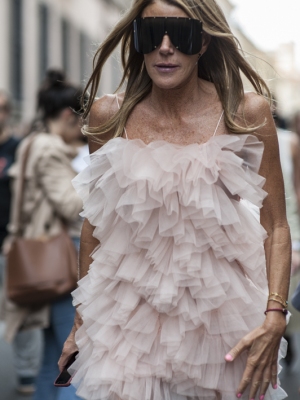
{"type": "Point", "coordinates": [261, 61]}
{"type": "Point", "coordinates": [39, 34]}
{"type": "Point", "coordinates": [287, 83]}
{"type": "Point", "coordinates": [278, 68]}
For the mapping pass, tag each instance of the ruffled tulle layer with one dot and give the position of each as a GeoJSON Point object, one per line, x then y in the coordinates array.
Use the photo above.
{"type": "Point", "coordinates": [180, 275]}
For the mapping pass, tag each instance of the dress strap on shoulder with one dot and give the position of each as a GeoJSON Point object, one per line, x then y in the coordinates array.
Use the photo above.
{"type": "Point", "coordinates": [216, 130]}
{"type": "Point", "coordinates": [125, 133]}
{"type": "Point", "coordinates": [117, 99]}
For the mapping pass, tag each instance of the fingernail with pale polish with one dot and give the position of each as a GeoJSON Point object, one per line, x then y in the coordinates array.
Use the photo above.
{"type": "Point", "coordinates": [239, 395]}
{"type": "Point", "coordinates": [228, 357]}
{"type": "Point", "coordinates": [275, 386]}
{"type": "Point", "coordinates": [262, 397]}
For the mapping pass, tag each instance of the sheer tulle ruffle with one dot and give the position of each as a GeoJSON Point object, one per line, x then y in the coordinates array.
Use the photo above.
{"type": "Point", "coordinates": [180, 275]}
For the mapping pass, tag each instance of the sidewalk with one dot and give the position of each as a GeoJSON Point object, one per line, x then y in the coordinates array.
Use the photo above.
{"type": "Point", "coordinates": [7, 375]}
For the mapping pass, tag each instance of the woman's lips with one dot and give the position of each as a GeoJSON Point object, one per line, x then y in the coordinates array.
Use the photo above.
{"type": "Point", "coordinates": [166, 68]}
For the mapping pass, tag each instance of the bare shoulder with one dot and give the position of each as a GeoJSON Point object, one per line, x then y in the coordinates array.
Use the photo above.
{"type": "Point", "coordinates": [255, 110]}
{"type": "Point", "coordinates": [102, 110]}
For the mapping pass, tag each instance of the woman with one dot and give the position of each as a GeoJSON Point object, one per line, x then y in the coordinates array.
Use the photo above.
{"type": "Point", "coordinates": [50, 203]}
{"type": "Point", "coordinates": [171, 301]}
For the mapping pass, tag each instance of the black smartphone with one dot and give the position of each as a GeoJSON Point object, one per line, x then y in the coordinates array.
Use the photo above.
{"type": "Point", "coordinates": [64, 378]}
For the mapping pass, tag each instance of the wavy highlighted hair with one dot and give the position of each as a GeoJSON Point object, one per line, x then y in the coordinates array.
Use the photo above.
{"type": "Point", "coordinates": [222, 64]}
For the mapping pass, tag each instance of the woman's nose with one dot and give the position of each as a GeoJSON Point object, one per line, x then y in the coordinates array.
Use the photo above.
{"type": "Point", "coordinates": [166, 45]}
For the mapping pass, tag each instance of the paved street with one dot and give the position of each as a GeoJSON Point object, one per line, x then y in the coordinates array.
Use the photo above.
{"type": "Point", "coordinates": [7, 376]}
{"type": "Point", "coordinates": [290, 379]}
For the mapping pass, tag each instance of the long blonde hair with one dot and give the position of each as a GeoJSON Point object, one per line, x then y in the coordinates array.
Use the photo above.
{"type": "Point", "coordinates": [222, 64]}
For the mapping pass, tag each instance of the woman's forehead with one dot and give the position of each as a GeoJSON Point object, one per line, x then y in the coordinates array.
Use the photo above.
{"type": "Point", "coordinates": [163, 9]}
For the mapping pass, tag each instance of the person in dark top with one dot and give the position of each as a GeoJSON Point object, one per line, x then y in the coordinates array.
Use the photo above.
{"type": "Point", "coordinates": [27, 344]}
{"type": "Point", "coordinates": [8, 146]}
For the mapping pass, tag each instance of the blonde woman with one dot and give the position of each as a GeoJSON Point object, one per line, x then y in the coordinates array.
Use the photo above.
{"type": "Point", "coordinates": [183, 291]}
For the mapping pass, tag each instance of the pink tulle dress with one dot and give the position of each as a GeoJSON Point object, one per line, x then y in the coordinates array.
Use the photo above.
{"type": "Point", "coordinates": [180, 276]}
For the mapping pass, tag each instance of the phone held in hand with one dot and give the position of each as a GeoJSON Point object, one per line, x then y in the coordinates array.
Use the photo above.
{"type": "Point", "coordinates": [64, 378]}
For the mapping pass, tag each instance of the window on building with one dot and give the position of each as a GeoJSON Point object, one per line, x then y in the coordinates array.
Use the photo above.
{"type": "Point", "coordinates": [65, 31]}
{"type": "Point", "coordinates": [16, 78]}
{"type": "Point", "coordinates": [85, 57]}
{"type": "Point", "coordinates": [43, 39]}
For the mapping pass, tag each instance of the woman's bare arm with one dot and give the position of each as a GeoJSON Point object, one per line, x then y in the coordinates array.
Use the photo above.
{"type": "Point", "coordinates": [273, 218]}
{"type": "Point", "coordinates": [295, 151]}
{"type": "Point", "coordinates": [101, 111]}
{"type": "Point", "coordinates": [263, 343]}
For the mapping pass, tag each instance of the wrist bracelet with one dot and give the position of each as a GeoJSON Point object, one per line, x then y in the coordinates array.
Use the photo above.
{"type": "Point", "coordinates": [283, 310]}
{"type": "Point", "coordinates": [284, 304]}
{"type": "Point", "coordinates": [276, 295]}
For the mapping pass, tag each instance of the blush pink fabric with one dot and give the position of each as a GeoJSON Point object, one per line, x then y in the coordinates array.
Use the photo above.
{"type": "Point", "coordinates": [180, 276]}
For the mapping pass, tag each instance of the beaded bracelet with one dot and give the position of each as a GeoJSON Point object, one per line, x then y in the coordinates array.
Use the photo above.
{"type": "Point", "coordinates": [283, 310]}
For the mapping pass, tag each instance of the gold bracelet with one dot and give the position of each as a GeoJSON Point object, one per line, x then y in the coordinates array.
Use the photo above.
{"type": "Point", "coordinates": [278, 301]}
{"type": "Point", "coordinates": [280, 297]}
{"type": "Point", "coordinates": [277, 295]}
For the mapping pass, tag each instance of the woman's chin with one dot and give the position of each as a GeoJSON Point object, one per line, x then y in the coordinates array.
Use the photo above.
{"type": "Point", "coordinates": [168, 84]}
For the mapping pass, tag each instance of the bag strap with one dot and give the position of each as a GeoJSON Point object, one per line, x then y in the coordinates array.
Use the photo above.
{"type": "Point", "coordinates": [21, 187]}
{"type": "Point", "coordinates": [20, 191]}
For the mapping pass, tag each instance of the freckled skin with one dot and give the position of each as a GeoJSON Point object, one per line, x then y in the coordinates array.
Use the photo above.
{"type": "Point", "coordinates": [184, 109]}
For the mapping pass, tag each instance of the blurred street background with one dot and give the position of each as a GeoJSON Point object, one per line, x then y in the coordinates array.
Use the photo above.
{"type": "Point", "coordinates": [36, 35]}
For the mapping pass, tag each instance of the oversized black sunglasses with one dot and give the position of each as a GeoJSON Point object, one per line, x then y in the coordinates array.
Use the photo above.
{"type": "Point", "coordinates": [184, 33]}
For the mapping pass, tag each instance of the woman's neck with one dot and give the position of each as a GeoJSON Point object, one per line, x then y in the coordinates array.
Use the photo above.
{"type": "Point", "coordinates": [182, 100]}
{"type": "Point", "coordinates": [54, 127]}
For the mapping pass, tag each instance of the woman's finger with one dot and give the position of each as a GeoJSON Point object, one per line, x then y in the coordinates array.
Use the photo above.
{"type": "Point", "coordinates": [257, 383]}
{"type": "Point", "coordinates": [247, 378]}
{"type": "Point", "coordinates": [274, 371]}
{"type": "Point", "coordinates": [242, 345]}
{"type": "Point", "coordinates": [266, 382]}
{"type": "Point", "coordinates": [68, 350]}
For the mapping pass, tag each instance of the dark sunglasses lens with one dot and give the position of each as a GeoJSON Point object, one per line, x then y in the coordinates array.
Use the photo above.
{"type": "Point", "coordinates": [184, 33]}
{"type": "Point", "coordinates": [190, 37]}
{"type": "Point", "coordinates": [148, 34]}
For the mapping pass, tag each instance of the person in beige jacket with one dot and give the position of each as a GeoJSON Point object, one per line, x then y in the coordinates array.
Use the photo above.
{"type": "Point", "coordinates": [48, 199]}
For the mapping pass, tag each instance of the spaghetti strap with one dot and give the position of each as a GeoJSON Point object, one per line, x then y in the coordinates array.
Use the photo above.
{"type": "Point", "coordinates": [216, 130]}
{"type": "Point", "coordinates": [125, 133]}
{"type": "Point", "coordinates": [118, 102]}
{"type": "Point", "coordinates": [119, 109]}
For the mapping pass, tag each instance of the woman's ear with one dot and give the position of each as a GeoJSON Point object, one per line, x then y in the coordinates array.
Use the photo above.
{"type": "Point", "coordinates": [206, 38]}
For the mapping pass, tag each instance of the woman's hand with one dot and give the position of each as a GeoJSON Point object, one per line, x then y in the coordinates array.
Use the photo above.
{"type": "Point", "coordinates": [262, 345]}
{"type": "Point", "coordinates": [70, 346]}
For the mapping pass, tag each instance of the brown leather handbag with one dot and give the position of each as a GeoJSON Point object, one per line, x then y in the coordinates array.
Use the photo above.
{"type": "Point", "coordinates": [39, 271]}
